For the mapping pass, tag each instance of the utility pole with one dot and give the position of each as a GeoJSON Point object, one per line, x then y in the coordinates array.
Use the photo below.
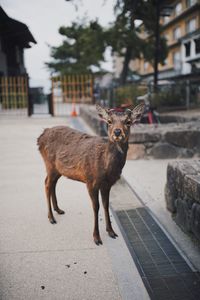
{"type": "Point", "coordinates": [163, 8]}
{"type": "Point", "coordinates": [157, 45]}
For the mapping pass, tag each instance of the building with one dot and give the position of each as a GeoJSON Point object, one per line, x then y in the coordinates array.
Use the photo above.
{"type": "Point", "coordinates": [182, 32]}
{"type": "Point", "coordinates": [14, 38]}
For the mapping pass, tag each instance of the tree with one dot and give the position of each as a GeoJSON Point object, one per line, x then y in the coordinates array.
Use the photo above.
{"type": "Point", "coordinates": [124, 35]}
{"type": "Point", "coordinates": [82, 49]}
{"type": "Point", "coordinates": [85, 45]}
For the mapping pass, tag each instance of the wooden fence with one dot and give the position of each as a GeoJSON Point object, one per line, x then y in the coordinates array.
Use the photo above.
{"type": "Point", "coordinates": [14, 94]}
{"type": "Point", "coordinates": [71, 89]}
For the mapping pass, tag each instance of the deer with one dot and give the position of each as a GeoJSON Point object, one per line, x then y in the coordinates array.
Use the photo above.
{"type": "Point", "coordinates": [93, 160]}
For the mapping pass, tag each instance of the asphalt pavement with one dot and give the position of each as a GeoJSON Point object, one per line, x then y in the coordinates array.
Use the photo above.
{"type": "Point", "coordinates": [39, 260]}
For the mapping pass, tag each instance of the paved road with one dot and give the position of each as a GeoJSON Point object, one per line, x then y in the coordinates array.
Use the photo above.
{"type": "Point", "coordinates": [43, 261]}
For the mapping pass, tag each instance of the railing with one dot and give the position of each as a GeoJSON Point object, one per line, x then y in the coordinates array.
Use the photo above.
{"type": "Point", "coordinates": [71, 89]}
{"type": "Point", "coordinates": [13, 94]}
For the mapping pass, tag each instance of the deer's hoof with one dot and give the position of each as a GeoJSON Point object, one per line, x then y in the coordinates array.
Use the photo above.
{"type": "Point", "coordinates": [98, 241]}
{"type": "Point", "coordinates": [112, 234]}
{"type": "Point", "coordinates": [60, 211]}
{"type": "Point", "coordinates": [52, 221]}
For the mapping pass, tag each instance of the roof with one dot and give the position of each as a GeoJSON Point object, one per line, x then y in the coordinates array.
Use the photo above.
{"type": "Point", "coordinates": [11, 28]}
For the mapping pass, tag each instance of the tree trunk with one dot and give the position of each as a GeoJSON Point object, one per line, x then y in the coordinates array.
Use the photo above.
{"type": "Point", "coordinates": [157, 46]}
{"type": "Point", "coordinates": [127, 59]}
{"type": "Point", "coordinates": [129, 49]}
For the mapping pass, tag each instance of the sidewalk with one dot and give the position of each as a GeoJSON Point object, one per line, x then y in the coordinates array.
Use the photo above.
{"type": "Point", "coordinates": [43, 261]}
{"type": "Point", "coordinates": [147, 178]}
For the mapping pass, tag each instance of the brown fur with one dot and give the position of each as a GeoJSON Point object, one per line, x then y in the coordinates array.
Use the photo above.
{"type": "Point", "coordinates": [93, 160]}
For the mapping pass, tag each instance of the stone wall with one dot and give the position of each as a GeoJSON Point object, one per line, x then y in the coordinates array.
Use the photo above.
{"type": "Point", "coordinates": [167, 140]}
{"type": "Point", "coordinates": [182, 194]}
{"type": "Point", "coordinates": [160, 141]}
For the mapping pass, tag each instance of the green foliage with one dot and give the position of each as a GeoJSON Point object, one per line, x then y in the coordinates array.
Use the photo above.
{"type": "Point", "coordinates": [82, 49]}
{"type": "Point", "coordinates": [120, 36]}
{"type": "Point", "coordinates": [169, 96]}
{"type": "Point", "coordinates": [128, 94]}
{"type": "Point", "coordinates": [84, 44]}
{"type": "Point", "coordinates": [149, 50]}
{"type": "Point", "coordinates": [124, 37]}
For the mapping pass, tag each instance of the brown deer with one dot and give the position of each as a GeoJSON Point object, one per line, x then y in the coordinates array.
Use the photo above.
{"type": "Point", "coordinates": [96, 161]}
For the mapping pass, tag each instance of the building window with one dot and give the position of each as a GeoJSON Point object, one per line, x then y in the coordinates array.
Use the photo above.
{"type": "Point", "coordinates": [197, 45]}
{"type": "Point", "coordinates": [177, 33]}
{"type": "Point", "coordinates": [178, 8]}
{"type": "Point", "coordinates": [189, 3]}
{"type": "Point", "coordinates": [177, 60]}
{"type": "Point", "coordinates": [166, 36]}
{"type": "Point", "coordinates": [146, 65]}
{"type": "Point", "coordinates": [191, 25]}
{"type": "Point", "coordinates": [166, 19]}
{"type": "Point", "coordinates": [166, 61]}
{"type": "Point", "coordinates": [187, 48]}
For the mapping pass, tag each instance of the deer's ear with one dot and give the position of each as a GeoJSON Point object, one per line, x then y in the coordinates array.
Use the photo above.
{"type": "Point", "coordinates": [137, 113]}
{"type": "Point", "coordinates": [102, 112]}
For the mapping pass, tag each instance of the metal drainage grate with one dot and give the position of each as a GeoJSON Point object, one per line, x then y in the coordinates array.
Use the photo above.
{"type": "Point", "coordinates": [164, 271]}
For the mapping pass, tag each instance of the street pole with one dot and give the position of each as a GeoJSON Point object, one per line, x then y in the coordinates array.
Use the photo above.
{"type": "Point", "coordinates": [157, 46]}
{"type": "Point", "coordinates": [187, 94]}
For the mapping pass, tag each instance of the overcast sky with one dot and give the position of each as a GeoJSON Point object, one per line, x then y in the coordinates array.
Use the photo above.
{"type": "Point", "coordinates": [44, 17]}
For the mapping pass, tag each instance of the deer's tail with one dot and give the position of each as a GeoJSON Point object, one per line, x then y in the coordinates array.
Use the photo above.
{"type": "Point", "coordinates": [41, 140]}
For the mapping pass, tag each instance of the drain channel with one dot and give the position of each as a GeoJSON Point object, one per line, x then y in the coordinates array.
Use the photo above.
{"type": "Point", "coordinates": [164, 271]}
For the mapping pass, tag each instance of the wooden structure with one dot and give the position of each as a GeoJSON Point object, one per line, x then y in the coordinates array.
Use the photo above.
{"type": "Point", "coordinates": [74, 89]}
{"type": "Point", "coordinates": [15, 36]}
{"type": "Point", "coordinates": [14, 93]}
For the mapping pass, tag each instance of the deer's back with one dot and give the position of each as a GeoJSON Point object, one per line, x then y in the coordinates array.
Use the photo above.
{"type": "Point", "coordinates": [73, 154]}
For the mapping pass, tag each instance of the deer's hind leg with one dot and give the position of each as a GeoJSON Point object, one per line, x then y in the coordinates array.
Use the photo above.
{"type": "Point", "coordinates": [50, 183]}
{"type": "Point", "coordinates": [48, 190]}
{"type": "Point", "coordinates": [54, 198]}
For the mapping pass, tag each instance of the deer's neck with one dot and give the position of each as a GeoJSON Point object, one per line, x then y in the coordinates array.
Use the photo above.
{"type": "Point", "coordinates": [116, 154]}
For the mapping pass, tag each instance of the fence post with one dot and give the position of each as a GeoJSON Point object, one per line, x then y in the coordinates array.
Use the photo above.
{"type": "Point", "coordinates": [187, 94]}
{"type": "Point", "coordinates": [29, 98]}
{"type": "Point", "coordinates": [51, 98]}
{"type": "Point", "coordinates": [50, 104]}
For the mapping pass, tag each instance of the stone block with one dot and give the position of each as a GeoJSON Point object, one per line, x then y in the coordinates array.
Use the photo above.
{"type": "Point", "coordinates": [170, 197]}
{"type": "Point", "coordinates": [183, 215]}
{"type": "Point", "coordinates": [136, 151]}
{"type": "Point", "coordinates": [164, 150]}
{"type": "Point", "coordinates": [191, 187]}
{"type": "Point", "coordinates": [195, 220]}
{"type": "Point", "coordinates": [182, 194]}
{"type": "Point", "coordinates": [186, 153]}
{"type": "Point", "coordinates": [184, 138]}
{"type": "Point", "coordinates": [144, 137]}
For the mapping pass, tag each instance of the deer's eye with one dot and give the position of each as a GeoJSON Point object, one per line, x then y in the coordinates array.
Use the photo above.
{"type": "Point", "coordinates": [109, 122]}
{"type": "Point", "coordinates": [128, 123]}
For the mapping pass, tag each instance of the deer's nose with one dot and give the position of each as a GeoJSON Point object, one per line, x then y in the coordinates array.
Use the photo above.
{"type": "Point", "coordinates": [117, 132]}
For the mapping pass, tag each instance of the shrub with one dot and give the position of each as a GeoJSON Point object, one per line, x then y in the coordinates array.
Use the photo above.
{"type": "Point", "coordinates": [127, 94]}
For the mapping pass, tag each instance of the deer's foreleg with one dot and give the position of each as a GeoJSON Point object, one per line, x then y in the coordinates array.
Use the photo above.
{"type": "Point", "coordinates": [54, 198]}
{"type": "Point", "coordinates": [94, 195]}
{"type": "Point", "coordinates": [105, 193]}
{"type": "Point", "coordinates": [48, 189]}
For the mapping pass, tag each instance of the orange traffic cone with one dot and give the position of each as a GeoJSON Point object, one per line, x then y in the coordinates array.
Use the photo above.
{"type": "Point", "coordinates": [74, 113]}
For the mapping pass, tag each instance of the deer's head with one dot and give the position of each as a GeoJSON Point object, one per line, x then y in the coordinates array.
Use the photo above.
{"type": "Point", "coordinates": [119, 123]}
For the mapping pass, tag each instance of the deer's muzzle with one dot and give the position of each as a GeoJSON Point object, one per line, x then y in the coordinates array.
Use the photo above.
{"type": "Point", "coordinates": [117, 132]}
{"type": "Point", "coordinates": [118, 135]}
